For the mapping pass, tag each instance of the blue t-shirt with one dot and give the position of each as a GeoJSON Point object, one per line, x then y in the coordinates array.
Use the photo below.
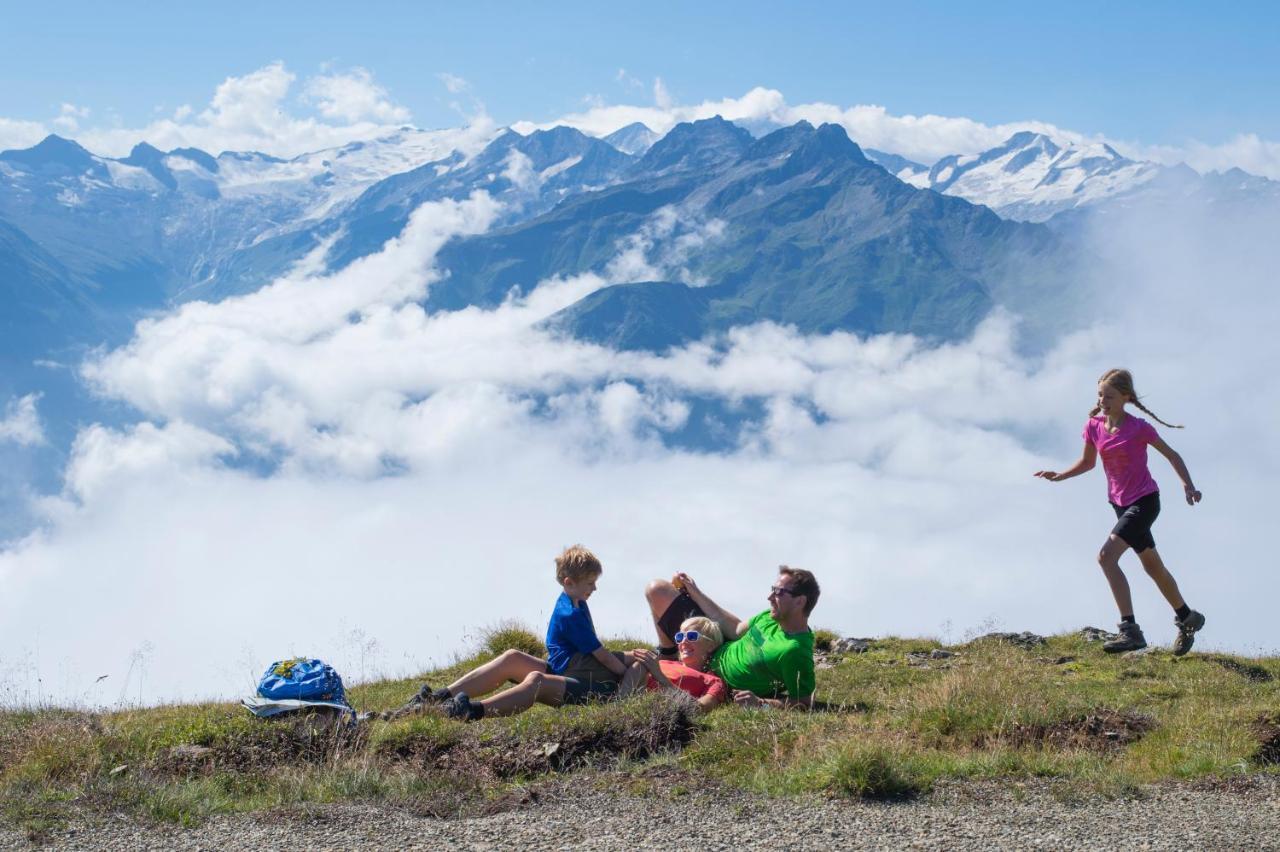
{"type": "Point", "coordinates": [570, 632]}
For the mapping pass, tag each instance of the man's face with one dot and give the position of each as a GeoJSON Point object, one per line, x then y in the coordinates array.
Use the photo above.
{"type": "Point", "coordinates": [783, 602]}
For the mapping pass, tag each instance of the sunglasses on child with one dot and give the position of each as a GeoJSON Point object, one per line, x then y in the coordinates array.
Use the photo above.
{"type": "Point", "coordinates": [690, 635]}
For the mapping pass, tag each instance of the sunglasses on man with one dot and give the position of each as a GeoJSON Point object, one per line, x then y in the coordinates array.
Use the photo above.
{"type": "Point", "coordinates": [776, 591]}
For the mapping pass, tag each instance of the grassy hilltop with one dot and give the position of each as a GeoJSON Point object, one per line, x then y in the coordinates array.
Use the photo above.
{"type": "Point", "coordinates": [894, 720]}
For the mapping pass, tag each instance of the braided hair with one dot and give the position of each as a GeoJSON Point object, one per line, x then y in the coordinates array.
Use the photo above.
{"type": "Point", "coordinates": [1122, 382]}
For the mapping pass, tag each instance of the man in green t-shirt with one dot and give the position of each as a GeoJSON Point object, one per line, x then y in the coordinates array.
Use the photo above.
{"type": "Point", "coordinates": [767, 660]}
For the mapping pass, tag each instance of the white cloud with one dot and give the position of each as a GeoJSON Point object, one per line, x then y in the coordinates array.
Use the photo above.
{"type": "Point", "coordinates": [1245, 151]}
{"type": "Point", "coordinates": [15, 133]}
{"type": "Point", "coordinates": [661, 97]}
{"type": "Point", "coordinates": [455, 84]}
{"type": "Point", "coordinates": [251, 112]}
{"type": "Point", "coordinates": [519, 170]}
{"type": "Point", "coordinates": [352, 97]}
{"type": "Point", "coordinates": [101, 455]}
{"type": "Point", "coordinates": [21, 422]}
{"type": "Point", "coordinates": [68, 120]}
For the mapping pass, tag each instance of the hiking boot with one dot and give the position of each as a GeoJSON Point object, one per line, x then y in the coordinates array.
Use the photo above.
{"type": "Point", "coordinates": [424, 698]}
{"type": "Point", "coordinates": [460, 707]}
{"type": "Point", "coordinates": [1187, 628]}
{"type": "Point", "coordinates": [1130, 639]}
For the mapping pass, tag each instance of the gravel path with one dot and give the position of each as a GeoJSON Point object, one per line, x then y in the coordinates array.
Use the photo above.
{"type": "Point", "coordinates": [1237, 816]}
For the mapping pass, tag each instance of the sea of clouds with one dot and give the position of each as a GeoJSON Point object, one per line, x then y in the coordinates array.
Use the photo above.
{"type": "Point", "coordinates": [324, 468]}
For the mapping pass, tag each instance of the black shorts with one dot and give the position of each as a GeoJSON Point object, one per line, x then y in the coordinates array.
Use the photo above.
{"type": "Point", "coordinates": [587, 679]}
{"type": "Point", "coordinates": [681, 609]}
{"type": "Point", "coordinates": [1135, 520]}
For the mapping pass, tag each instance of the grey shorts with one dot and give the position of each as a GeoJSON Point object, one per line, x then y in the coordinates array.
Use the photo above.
{"type": "Point", "coordinates": [587, 679]}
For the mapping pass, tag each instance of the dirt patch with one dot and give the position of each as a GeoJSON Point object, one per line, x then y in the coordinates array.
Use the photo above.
{"type": "Point", "coordinates": [1102, 730]}
{"type": "Point", "coordinates": [1251, 672]}
{"type": "Point", "coordinates": [481, 752]}
{"type": "Point", "coordinates": [313, 738]}
{"type": "Point", "coordinates": [1267, 729]}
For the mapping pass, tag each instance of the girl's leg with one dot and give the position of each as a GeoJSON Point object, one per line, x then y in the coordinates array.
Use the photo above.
{"type": "Point", "coordinates": [1168, 586]}
{"type": "Point", "coordinates": [1109, 560]}
{"type": "Point", "coordinates": [510, 665]}
{"type": "Point", "coordinates": [536, 686]}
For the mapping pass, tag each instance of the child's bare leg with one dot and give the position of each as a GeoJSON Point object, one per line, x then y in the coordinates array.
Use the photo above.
{"type": "Point", "coordinates": [1109, 560]}
{"type": "Point", "coordinates": [510, 665]}
{"type": "Point", "coordinates": [535, 687]}
{"type": "Point", "coordinates": [633, 681]}
{"type": "Point", "coordinates": [1164, 580]}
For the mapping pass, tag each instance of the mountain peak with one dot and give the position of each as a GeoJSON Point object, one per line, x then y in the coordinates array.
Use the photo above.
{"type": "Point", "coordinates": [634, 139]}
{"type": "Point", "coordinates": [828, 141]}
{"type": "Point", "coordinates": [54, 151]}
{"type": "Point", "coordinates": [698, 144]}
{"type": "Point", "coordinates": [149, 157]}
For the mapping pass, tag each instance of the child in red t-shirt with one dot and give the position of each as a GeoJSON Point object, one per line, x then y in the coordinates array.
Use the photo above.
{"type": "Point", "coordinates": [1122, 440]}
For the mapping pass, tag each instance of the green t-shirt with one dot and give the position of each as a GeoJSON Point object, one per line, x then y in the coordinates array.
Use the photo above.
{"type": "Point", "coordinates": [767, 661]}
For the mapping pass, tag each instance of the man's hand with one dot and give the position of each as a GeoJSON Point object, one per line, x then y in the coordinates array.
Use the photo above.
{"type": "Point", "coordinates": [746, 698]}
{"type": "Point", "coordinates": [684, 583]}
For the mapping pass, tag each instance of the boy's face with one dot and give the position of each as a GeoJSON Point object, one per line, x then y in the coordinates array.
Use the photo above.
{"type": "Point", "coordinates": [580, 589]}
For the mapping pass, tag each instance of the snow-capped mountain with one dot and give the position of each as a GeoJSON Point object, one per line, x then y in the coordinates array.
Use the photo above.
{"type": "Point", "coordinates": [1030, 177]}
{"type": "Point", "coordinates": [634, 139]}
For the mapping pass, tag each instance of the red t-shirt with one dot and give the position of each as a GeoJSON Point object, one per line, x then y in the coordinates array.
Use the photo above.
{"type": "Point", "coordinates": [691, 680]}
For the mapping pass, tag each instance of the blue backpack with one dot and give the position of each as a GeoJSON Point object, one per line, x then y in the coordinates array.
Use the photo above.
{"type": "Point", "coordinates": [303, 680]}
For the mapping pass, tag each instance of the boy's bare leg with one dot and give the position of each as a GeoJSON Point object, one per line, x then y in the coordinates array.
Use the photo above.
{"type": "Point", "coordinates": [1109, 560]}
{"type": "Point", "coordinates": [509, 666]}
{"type": "Point", "coordinates": [535, 687]}
{"type": "Point", "coordinates": [1168, 586]}
{"type": "Point", "coordinates": [633, 681]}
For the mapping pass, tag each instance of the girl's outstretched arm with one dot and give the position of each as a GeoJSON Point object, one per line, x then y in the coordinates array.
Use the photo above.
{"type": "Point", "coordinates": [1088, 458]}
{"type": "Point", "coordinates": [1180, 468]}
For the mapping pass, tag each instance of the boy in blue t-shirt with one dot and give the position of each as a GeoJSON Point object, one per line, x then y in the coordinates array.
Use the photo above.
{"type": "Point", "coordinates": [578, 667]}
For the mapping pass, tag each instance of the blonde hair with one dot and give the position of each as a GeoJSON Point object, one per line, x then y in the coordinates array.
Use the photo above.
{"type": "Point", "coordinates": [705, 627]}
{"type": "Point", "coordinates": [1121, 381]}
{"type": "Point", "coordinates": [576, 564]}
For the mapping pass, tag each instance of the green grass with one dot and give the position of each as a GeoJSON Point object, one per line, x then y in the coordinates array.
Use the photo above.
{"type": "Point", "coordinates": [892, 726]}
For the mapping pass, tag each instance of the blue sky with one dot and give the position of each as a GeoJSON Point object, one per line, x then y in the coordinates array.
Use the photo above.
{"type": "Point", "coordinates": [1157, 73]}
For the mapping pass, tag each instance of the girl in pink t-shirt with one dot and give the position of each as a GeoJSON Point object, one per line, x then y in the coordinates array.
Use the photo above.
{"type": "Point", "coordinates": [1122, 440]}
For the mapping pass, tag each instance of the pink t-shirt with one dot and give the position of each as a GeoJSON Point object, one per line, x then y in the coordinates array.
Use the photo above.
{"type": "Point", "coordinates": [1124, 457]}
{"type": "Point", "coordinates": [690, 680]}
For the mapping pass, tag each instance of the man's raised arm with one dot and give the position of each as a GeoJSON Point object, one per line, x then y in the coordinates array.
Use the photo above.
{"type": "Point", "coordinates": [730, 625]}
